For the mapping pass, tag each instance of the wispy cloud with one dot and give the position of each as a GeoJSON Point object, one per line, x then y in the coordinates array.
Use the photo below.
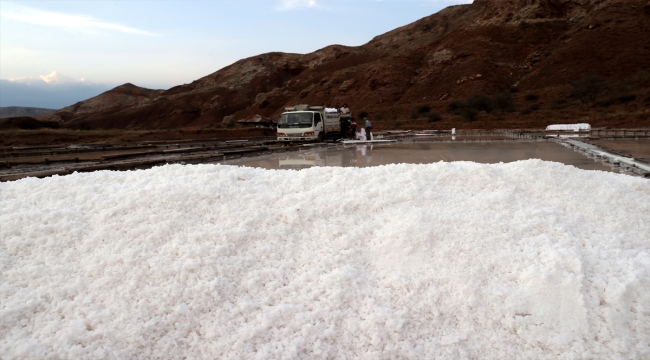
{"type": "Point", "coordinates": [54, 78]}
{"type": "Point", "coordinates": [70, 21]}
{"type": "Point", "coordinates": [293, 4]}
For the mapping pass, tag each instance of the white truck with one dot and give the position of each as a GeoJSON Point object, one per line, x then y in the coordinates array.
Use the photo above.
{"type": "Point", "coordinates": [308, 123]}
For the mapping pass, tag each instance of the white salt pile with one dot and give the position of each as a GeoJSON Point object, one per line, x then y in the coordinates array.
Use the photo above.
{"type": "Point", "coordinates": [450, 260]}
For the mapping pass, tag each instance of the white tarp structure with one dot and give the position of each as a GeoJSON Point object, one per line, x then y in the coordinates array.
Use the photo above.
{"type": "Point", "coordinates": [361, 134]}
{"type": "Point", "coordinates": [569, 127]}
{"type": "Point", "coordinates": [531, 260]}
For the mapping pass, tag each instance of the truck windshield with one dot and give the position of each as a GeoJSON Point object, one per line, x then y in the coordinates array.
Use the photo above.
{"type": "Point", "coordinates": [295, 120]}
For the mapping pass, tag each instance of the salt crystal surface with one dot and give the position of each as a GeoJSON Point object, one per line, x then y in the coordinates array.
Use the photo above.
{"type": "Point", "coordinates": [529, 259]}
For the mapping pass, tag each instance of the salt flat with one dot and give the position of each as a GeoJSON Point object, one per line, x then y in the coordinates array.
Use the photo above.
{"type": "Point", "coordinates": [529, 259]}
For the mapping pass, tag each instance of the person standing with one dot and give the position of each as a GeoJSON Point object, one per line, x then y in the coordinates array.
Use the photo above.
{"type": "Point", "coordinates": [345, 126]}
{"type": "Point", "coordinates": [368, 129]}
{"type": "Point", "coordinates": [345, 120]}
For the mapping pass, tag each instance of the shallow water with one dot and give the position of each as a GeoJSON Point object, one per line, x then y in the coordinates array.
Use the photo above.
{"type": "Point", "coordinates": [639, 148]}
{"type": "Point", "coordinates": [422, 153]}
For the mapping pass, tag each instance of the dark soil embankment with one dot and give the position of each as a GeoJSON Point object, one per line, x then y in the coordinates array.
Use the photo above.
{"type": "Point", "coordinates": [15, 137]}
{"type": "Point", "coordinates": [26, 123]}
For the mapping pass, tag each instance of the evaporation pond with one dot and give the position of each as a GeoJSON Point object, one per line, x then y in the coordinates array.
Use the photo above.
{"type": "Point", "coordinates": [638, 148]}
{"type": "Point", "coordinates": [421, 153]}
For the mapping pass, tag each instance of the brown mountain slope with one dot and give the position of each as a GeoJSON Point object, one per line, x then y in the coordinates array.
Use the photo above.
{"type": "Point", "coordinates": [17, 111]}
{"type": "Point", "coordinates": [537, 46]}
{"type": "Point", "coordinates": [125, 96]}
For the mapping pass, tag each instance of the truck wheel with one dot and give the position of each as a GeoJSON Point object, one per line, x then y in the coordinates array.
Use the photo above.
{"type": "Point", "coordinates": [320, 137]}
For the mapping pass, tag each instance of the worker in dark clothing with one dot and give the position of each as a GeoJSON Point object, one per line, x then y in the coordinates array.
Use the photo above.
{"type": "Point", "coordinates": [345, 126]}
{"type": "Point", "coordinates": [368, 129]}
{"type": "Point", "coordinates": [345, 121]}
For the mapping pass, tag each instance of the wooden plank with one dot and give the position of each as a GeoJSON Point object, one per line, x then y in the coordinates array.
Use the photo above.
{"type": "Point", "coordinates": [127, 155]}
{"type": "Point", "coordinates": [195, 157]}
{"type": "Point", "coordinates": [20, 148]}
{"type": "Point", "coordinates": [186, 150]}
{"type": "Point", "coordinates": [124, 165]}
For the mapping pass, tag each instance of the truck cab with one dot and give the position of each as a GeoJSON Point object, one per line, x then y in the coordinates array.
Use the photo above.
{"type": "Point", "coordinates": [308, 123]}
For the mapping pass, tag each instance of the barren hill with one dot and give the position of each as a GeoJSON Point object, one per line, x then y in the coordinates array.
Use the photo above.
{"type": "Point", "coordinates": [536, 53]}
{"type": "Point", "coordinates": [16, 111]}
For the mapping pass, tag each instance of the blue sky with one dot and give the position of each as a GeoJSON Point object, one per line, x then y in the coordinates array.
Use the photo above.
{"type": "Point", "coordinates": [159, 44]}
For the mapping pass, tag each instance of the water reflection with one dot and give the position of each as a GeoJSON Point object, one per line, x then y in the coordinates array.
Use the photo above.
{"type": "Point", "coordinates": [638, 148]}
{"type": "Point", "coordinates": [421, 153]}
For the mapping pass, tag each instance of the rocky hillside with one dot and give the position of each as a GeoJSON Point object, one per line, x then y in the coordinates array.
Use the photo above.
{"type": "Point", "coordinates": [515, 62]}
{"type": "Point", "coordinates": [17, 111]}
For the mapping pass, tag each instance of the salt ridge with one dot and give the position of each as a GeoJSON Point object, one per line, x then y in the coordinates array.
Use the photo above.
{"type": "Point", "coordinates": [529, 259]}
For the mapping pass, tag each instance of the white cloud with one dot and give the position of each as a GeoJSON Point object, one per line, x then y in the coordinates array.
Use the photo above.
{"type": "Point", "coordinates": [54, 78]}
{"type": "Point", "coordinates": [54, 19]}
{"type": "Point", "coordinates": [24, 80]}
{"type": "Point", "coordinates": [292, 4]}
